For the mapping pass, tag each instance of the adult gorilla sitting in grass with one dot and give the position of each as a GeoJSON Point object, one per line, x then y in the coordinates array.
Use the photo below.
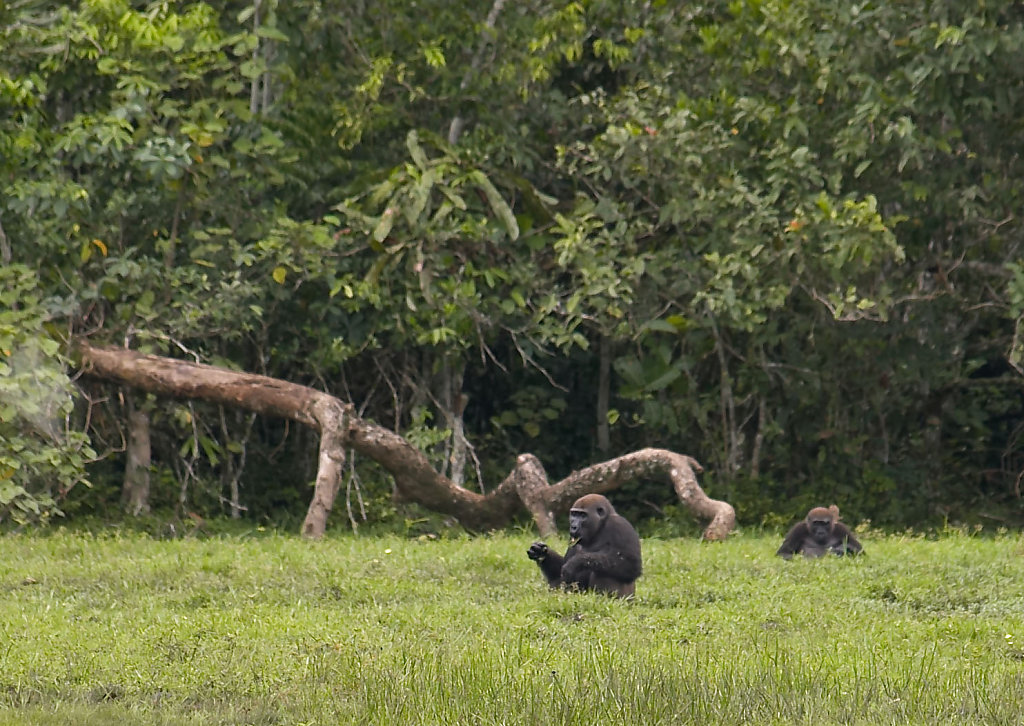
{"type": "Point", "coordinates": [603, 554]}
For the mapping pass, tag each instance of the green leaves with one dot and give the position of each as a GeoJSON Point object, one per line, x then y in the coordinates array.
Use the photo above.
{"type": "Point", "coordinates": [760, 238]}
{"type": "Point", "coordinates": [40, 457]}
{"type": "Point", "coordinates": [498, 205]}
{"type": "Point", "coordinates": [383, 228]}
{"type": "Point", "coordinates": [433, 228]}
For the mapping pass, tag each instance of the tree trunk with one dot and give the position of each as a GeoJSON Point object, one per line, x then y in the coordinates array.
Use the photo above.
{"type": "Point", "coordinates": [233, 464]}
{"type": "Point", "coordinates": [135, 490]}
{"type": "Point", "coordinates": [452, 403]}
{"type": "Point", "coordinates": [525, 487]}
{"type": "Point", "coordinates": [604, 384]}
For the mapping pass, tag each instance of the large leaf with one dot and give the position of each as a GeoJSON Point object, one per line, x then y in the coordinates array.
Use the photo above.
{"type": "Point", "coordinates": [498, 204]}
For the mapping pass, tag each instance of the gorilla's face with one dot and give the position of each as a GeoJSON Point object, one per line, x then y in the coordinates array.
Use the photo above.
{"type": "Point", "coordinates": [821, 529]}
{"type": "Point", "coordinates": [585, 523]}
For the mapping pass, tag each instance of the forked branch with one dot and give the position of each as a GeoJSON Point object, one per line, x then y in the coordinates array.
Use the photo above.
{"type": "Point", "coordinates": [526, 487]}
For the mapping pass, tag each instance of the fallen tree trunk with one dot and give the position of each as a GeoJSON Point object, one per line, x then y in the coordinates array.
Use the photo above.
{"type": "Point", "coordinates": [339, 428]}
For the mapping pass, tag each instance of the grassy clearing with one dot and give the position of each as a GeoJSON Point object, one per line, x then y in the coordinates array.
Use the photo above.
{"type": "Point", "coordinates": [384, 630]}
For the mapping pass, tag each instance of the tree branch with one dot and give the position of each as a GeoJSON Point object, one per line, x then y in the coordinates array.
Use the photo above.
{"type": "Point", "coordinates": [340, 428]}
{"type": "Point", "coordinates": [458, 123]}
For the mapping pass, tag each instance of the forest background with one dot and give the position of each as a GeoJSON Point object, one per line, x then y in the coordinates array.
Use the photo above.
{"type": "Point", "coordinates": [780, 236]}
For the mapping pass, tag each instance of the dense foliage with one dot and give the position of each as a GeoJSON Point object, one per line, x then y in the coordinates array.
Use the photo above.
{"type": "Point", "coordinates": [781, 236]}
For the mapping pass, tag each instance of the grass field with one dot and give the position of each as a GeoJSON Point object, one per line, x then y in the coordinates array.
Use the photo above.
{"type": "Point", "coordinates": [270, 629]}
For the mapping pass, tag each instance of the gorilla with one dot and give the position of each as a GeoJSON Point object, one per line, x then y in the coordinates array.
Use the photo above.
{"type": "Point", "coordinates": [603, 554]}
{"type": "Point", "coordinates": [818, 534]}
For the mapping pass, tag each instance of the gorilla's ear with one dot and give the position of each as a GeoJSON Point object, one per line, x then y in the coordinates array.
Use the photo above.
{"type": "Point", "coordinates": [600, 511]}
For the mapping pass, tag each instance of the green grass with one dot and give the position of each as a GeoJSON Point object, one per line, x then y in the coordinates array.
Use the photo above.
{"type": "Point", "coordinates": [101, 629]}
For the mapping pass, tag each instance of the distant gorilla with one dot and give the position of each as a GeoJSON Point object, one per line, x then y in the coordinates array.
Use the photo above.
{"type": "Point", "coordinates": [818, 534]}
{"type": "Point", "coordinates": [603, 554]}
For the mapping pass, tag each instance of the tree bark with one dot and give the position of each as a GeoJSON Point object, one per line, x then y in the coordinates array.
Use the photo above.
{"type": "Point", "coordinates": [339, 428]}
{"type": "Point", "coordinates": [135, 490]}
{"type": "Point", "coordinates": [604, 384]}
{"type": "Point", "coordinates": [458, 123]}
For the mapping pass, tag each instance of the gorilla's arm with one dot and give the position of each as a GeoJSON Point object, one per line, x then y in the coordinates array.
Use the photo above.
{"type": "Point", "coordinates": [843, 541]}
{"type": "Point", "coordinates": [794, 541]}
{"type": "Point", "coordinates": [549, 561]}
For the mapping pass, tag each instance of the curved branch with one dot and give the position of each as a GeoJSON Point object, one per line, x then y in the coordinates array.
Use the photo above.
{"type": "Point", "coordinates": [417, 480]}
{"type": "Point", "coordinates": [678, 470]}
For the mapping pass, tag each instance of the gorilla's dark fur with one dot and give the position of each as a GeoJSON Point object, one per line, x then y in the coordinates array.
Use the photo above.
{"type": "Point", "coordinates": [820, 533]}
{"type": "Point", "coordinates": [603, 554]}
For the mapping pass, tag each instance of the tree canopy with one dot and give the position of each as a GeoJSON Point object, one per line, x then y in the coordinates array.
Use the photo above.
{"type": "Point", "coordinates": [782, 236]}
